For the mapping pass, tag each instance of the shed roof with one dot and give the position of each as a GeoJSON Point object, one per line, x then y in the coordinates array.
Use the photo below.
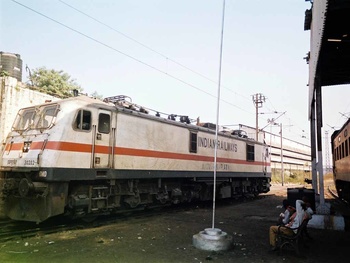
{"type": "Point", "coordinates": [334, 58]}
{"type": "Point", "coordinates": [329, 57]}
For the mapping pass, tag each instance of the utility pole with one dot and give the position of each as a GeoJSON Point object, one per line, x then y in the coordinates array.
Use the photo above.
{"type": "Point", "coordinates": [258, 100]}
{"type": "Point", "coordinates": [326, 146]}
{"type": "Point", "coordinates": [272, 122]}
{"type": "Point", "coordinates": [282, 168]}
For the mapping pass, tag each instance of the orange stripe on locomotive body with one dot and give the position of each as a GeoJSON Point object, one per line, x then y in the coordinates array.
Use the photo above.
{"type": "Point", "coordinates": [38, 145]}
{"type": "Point", "coordinates": [177, 156]}
{"type": "Point", "coordinates": [70, 147]}
{"type": "Point", "coordinates": [79, 148]}
{"type": "Point", "coordinates": [14, 147]}
{"type": "Point", "coordinates": [54, 145]}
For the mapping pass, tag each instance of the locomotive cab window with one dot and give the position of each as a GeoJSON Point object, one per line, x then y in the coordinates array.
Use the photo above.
{"type": "Point", "coordinates": [193, 142]}
{"type": "Point", "coordinates": [24, 119]}
{"type": "Point", "coordinates": [104, 123]}
{"type": "Point", "coordinates": [83, 120]}
{"type": "Point", "coordinates": [250, 153]}
{"type": "Point", "coordinates": [47, 117]}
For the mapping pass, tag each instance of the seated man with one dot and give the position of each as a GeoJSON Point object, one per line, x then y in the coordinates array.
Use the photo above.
{"type": "Point", "coordinates": [303, 211]}
{"type": "Point", "coordinates": [284, 217]}
{"type": "Point", "coordinates": [307, 207]}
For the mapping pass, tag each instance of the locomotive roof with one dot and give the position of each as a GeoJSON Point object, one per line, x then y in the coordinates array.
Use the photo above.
{"type": "Point", "coordinates": [137, 110]}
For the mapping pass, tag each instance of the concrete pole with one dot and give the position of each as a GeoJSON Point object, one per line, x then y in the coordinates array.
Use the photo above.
{"type": "Point", "coordinates": [256, 117]}
{"type": "Point", "coordinates": [313, 147]}
{"type": "Point", "coordinates": [258, 100]}
{"type": "Point", "coordinates": [282, 168]}
{"type": "Point", "coordinates": [319, 141]}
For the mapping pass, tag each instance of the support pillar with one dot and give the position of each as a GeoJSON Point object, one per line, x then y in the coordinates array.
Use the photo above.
{"type": "Point", "coordinates": [322, 208]}
{"type": "Point", "coordinates": [313, 147]}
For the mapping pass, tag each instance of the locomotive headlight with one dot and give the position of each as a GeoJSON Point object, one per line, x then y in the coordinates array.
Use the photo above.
{"type": "Point", "coordinates": [42, 173]}
{"type": "Point", "coordinates": [26, 146]}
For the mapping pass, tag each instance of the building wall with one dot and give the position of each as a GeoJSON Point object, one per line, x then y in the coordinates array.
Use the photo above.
{"type": "Point", "coordinates": [13, 96]}
{"type": "Point", "coordinates": [296, 156]}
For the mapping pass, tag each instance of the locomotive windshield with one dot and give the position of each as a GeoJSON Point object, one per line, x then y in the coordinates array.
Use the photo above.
{"type": "Point", "coordinates": [24, 119]}
{"type": "Point", "coordinates": [35, 118]}
{"type": "Point", "coordinates": [47, 115]}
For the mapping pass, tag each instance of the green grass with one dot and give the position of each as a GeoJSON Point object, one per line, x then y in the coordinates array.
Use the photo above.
{"type": "Point", "coordinates": [295, 177]}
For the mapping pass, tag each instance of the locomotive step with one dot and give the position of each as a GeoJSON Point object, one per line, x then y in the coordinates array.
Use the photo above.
{"type": "Point", "coordinates": [99, 198]}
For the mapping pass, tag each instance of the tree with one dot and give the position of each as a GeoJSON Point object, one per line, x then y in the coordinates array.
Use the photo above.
{"type": "Point", "coordinates": [96, 95]}
{"type": "Point", "coordinates": [54, 83]}
{"type": "Point", "coordinates": [4, 73]}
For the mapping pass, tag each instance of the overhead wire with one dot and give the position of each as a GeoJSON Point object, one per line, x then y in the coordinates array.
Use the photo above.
{"type": "Point", "coordinates": [267, 98]}
{"type": "Point", "coordinates": [149, 48]}
{"type": "Point", "coordinates": [301, 131]}
{"type": "Point", "coordinates": [289, 119]}
{"type": "Point", "coordinates": [138, 60]}
{"type": "Point", "coordinates": [290, 125]}
{"type": "Point", "coordinates": [127, 55]}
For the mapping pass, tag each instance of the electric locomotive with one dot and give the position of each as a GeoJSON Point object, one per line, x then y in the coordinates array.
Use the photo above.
{"type": "Point", "coordinates": [341, 160]}
{"type": "Point", "coordinates": [83, 157]}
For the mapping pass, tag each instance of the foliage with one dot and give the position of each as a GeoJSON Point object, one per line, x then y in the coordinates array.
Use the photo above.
{"type": "Point", "coordinates": [54, 83]}
{"type": "Point", "coordinates": [96, 95]}
{"type": "Point", "coordinates": [4, 73]}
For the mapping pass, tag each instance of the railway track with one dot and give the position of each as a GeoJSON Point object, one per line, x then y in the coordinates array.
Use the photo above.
{"type": "Point", "coordinates": [11, 230]}
{"type": "Point", "coordinates": [331, 191]}
{"type": "Point", "coordinates": [17, 230]}
{"type": "Point", "coordinates": [14, 230]}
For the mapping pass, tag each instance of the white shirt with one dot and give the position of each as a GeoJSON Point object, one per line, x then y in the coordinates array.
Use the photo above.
{"type": "Point", "coordinates": [299, 216]}
{"type": "Point", "coordinates": [286, 216]}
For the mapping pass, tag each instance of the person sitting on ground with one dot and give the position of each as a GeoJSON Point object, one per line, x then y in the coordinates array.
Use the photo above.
{"type": "Point", "coordinates": [285, 216]}
{"type": "Point", "coordinates": [295, 221]}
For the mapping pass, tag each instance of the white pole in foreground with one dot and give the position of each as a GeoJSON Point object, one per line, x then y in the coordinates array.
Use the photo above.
{"type": "Point", "coordinates": [218, 112]}
{"type": "Point", "coordinates": [213, 239]}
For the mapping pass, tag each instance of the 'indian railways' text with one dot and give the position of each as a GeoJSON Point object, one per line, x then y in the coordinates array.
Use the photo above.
{"type": "Point", "coordinates": [222, 145]}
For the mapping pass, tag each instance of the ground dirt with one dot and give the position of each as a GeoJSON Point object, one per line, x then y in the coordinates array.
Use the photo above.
{"type": "Point", "coordinates": [167, 237]}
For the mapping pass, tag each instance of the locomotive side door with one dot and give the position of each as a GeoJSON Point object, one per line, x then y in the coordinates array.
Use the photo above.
{"type": "Point", "coordinates": [102, 146]}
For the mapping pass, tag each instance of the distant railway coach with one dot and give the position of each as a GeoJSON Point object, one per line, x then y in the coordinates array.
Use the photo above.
{"type": "Point", "coordinates": [341, 160]}
{"type": "Point", "coordinates": [83, 157]}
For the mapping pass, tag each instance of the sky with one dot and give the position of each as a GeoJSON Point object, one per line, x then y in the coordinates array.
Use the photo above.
{"type": "Point", "coordinates": [165, 55]}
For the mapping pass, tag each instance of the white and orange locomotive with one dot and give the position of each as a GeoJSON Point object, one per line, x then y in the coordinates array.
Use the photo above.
{"type": "Point", "coordinates": [84, 157]}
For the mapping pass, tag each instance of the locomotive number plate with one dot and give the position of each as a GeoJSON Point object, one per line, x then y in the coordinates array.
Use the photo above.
{"type": "Point", "coordinates": [29, 162]}
{"type": "Point", "coordinates": [12, 162]}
